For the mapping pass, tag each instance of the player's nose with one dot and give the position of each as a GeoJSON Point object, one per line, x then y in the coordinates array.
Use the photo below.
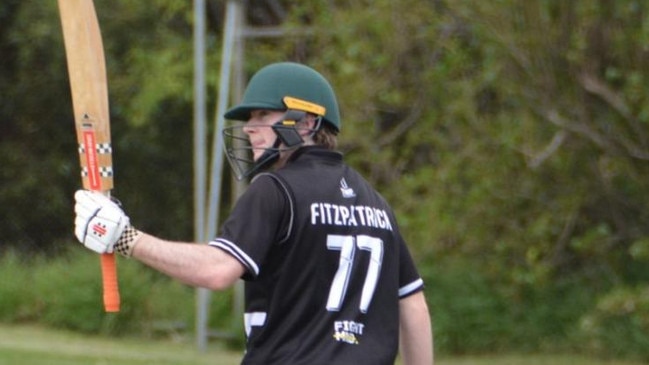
{"type": "Point", "coordinates": [249, 126]}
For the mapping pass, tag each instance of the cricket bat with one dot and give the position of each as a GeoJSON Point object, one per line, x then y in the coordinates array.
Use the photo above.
{"type": "Point", "coordinates": [87, 72]}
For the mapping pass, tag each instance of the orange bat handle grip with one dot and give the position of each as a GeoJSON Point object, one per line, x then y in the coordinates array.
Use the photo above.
{"type": "Point", "coordinates": [109, 278]}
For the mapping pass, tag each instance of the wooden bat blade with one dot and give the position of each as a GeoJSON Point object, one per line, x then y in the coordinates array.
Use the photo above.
{"type": "Point", "coordinates": [89, 87]}
{"type": "Point", "coordinates": [88, 84]}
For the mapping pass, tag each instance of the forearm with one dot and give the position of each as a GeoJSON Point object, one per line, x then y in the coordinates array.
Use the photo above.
{"type": "Point", "coordinates": [194, 264]}
{"type": "Point", "coordinates": [416, 335]}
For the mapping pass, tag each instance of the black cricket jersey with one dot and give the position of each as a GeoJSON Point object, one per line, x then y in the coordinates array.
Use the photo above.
{"type": "Point", "coordinates": [325, 265]}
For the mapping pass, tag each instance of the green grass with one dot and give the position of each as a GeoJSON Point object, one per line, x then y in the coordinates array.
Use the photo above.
{"type": "Point", "coordinates": [31, 345]}
{"type": "Point", "coordinates": [26, 345]}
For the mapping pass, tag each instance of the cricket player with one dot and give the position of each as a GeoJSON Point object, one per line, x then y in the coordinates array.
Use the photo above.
{"type": "Point", "coordinates": [328, 276]}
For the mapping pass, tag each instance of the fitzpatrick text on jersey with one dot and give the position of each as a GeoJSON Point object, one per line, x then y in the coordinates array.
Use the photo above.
{"type": "Point", "coordinates": [352, 215]}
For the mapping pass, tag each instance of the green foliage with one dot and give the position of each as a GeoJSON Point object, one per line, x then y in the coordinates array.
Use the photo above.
{"type": "Point", "coordinates": [18, 301]}
{"type": "Point", "coordinates": [475, 314]}
{"type": "Point", "coordinates": [619, 324]}
{"type": "Point", "coordinates": [66, 293]}
{"type": "Point", "coordinates": [459, 304]}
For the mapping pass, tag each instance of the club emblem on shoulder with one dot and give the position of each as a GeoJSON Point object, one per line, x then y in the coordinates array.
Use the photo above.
{"type": "Point", "coordinates": [346, 190]}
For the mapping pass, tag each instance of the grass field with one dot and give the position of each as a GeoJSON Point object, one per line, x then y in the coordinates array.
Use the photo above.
{"type": "Point", "coordinates": [25, 345]}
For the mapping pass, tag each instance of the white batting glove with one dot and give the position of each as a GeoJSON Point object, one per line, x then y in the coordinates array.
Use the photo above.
{"type": "Point", "coordinates": [101, 225]}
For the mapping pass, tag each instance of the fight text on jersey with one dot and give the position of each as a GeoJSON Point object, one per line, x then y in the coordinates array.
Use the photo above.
{"type": "Point", "coordinates": [349, 215]}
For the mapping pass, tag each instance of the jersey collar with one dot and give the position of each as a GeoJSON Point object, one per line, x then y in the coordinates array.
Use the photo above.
{"type": "Point", "coordinates": [315, 151]}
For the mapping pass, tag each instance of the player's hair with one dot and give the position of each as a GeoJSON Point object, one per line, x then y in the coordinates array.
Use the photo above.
{"type": "Point", "coordinates": [326, 137]}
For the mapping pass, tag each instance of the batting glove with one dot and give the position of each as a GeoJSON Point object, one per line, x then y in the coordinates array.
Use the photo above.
{"type": "Point", "coordinates": [101, 225]}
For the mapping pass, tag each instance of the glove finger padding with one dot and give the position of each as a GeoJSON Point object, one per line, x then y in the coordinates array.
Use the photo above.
{"type": "Point", "coordinates": [99, 222]}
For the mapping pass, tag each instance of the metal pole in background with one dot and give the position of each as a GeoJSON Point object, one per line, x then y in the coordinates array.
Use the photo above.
{"type": "Point", "coordinates": [214, 201]}
{"type": "Point", "coordinates": [238, 86]}
{"type": "Point", "coordinates": [200, 150]}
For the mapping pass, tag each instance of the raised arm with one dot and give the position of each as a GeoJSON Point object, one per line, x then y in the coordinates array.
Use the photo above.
{"type": "Point", "coordinates": [198, 265]}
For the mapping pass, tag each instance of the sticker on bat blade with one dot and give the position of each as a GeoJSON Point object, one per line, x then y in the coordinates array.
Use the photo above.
{"type": "Point", "coordinates": [104, 171]}
{"type": "Point", "coordinates": [86, 122]}
{"type": "Point", "coordinates": [102, 148]}
{"type": "Point", "coordinates": [94, 177]}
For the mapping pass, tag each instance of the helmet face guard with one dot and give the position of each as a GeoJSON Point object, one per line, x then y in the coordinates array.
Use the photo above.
{"type": "Point", "coordinates": [240, 153]}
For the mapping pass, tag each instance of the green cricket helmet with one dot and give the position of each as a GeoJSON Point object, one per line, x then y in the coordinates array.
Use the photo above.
{"type": "Point", "coordinates": [295, 88]}
{"type": "Point", "coordinates": [288, 85]}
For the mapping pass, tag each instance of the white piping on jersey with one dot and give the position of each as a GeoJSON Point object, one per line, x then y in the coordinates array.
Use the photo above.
{"type": "Point", "coordinates": [238, 254]}
{"type": "Point", "coordinates": [410, 288]}
{"type": "Point", "coordinates": [290, 203]}
{"type": "Point", "coordinates": [250, 319]}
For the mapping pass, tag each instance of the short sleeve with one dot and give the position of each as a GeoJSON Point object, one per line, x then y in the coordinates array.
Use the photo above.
{"type": "Point", "coordinates": [257, 222]}
{"type": "Point", "coordinates": [410, 281]}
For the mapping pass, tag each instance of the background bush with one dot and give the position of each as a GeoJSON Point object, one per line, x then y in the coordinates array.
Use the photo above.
{"type": "Point", "coordinates": [66, 293]}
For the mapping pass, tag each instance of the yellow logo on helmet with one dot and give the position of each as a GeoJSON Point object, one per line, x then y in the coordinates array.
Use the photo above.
{"type": "Point", "coordinates": [299, 104]}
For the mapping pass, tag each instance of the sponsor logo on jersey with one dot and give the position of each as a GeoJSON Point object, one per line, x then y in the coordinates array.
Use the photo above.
{"type": "Point", "coordinates": [346, 190]}
{"type": "Point", "coordinates": [348, 331]}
